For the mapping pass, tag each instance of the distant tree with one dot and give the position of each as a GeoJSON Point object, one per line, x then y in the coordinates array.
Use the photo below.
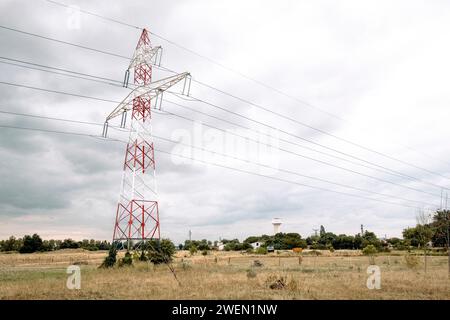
{"type": "Point", "coordinates": [424, 233]}
{"type": "Point", "coordinates": [31, 244]}
{"type": "Point", "coordinates": [311, 240]}
{"type": "Point", "coordinates": [69, 244]}
{"type": "Point", "coordinates": [12, 244]}
{"type": "Point", "coordinates": [252, 239]}
{"type": "Point", "coordinates": [343, 241]}
{"type": "Point", "coordinates": [203, 245]}
{"type": "Point", "coordinates": [48, 245]}
{"type": "Point", "coordinates": [291, 240]}
{"type": "Point", "coordinates": [441, 225]}
{"type": "Point", "coordinates": [395, 242]}
{"type": "Point", "coordinates": [369, 238]}
{"type": "Point", "coordinates": [418, 236]}
{"type": "Point", "coordinates": [103, 245]}
{"type": "Point", "coordinates": [161, 251]}
{"type": "Point", "coordinates": [357, 241]}
{"type": "Point", "coordinates": [327, 239]}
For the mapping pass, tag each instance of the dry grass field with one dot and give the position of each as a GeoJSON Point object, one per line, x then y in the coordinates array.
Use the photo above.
{"type": "Point", "coordinates": [222, 275]}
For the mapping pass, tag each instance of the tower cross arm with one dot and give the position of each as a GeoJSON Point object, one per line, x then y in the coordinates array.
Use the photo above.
{"type": "Point", "coordinates": [151, 91]}
{"type": "Point", "coordinates": [143, 54]}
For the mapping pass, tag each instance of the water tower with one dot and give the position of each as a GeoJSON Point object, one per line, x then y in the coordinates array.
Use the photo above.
{"type": "Point", "coordinates": [276, 225]}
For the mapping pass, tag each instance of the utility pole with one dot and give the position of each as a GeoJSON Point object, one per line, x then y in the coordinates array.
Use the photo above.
{"type": "Point", "coordinates": [362, 230]}
{"type": "Point", "coordinates": [137, 214]}
{"type": "Point", "coordinates": [190, 235]}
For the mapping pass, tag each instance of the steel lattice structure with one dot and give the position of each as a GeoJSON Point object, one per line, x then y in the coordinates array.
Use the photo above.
{"type": "Point", "coordinates": [137, 214]}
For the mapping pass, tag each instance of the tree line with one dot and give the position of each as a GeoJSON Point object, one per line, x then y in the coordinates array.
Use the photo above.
{"type": "Point", "coordinates": [34, 243]}
{"type": "Point", "coordinates": [433, 230]}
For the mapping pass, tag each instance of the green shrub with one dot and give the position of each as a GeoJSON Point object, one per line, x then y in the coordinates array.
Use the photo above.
{"type": "Point", "coordinates": [261, 250]}
{"type": "Point", "coordinates": [192, 250]}
{"type": "Point", "coordinates": [204, 252]}
{"type": "Point", "coordinates": [127, 260]}
{"type": "Point", "coordinates": [161, 252]}
{"type": "Point", "coordinates": [110, 260]}
{"type": "Point", "coordinates": [369, 250]}
{"type": "Point", "coordinates": [142, 256]}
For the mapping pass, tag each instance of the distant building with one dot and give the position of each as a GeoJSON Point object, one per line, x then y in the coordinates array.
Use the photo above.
{"type": "Point", "coordinates": [256, 245]}
{"type": "Point", "coordinates": [220, 246]}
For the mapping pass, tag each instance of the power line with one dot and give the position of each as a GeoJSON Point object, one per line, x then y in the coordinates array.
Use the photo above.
{"type": "Point", "coordinates": [210, 163]}
{"type": "Point", "coordinates": [57, 92]}
{"type": "Point", "coordinates": [306, 157]}
{"type": "Point", "coordinates": [246, 138]}
{"type": "Point", "coordinates": [203, 57]}
{"type": "Point", "coordinates": [301, 101]}
{"type": "Point", "coordinates": [248, 102]}
{"type": "Point", "coordinates": [218, 153]}
{"type": "Point", "coordinates": [383, 168]}
{"type": "Point", "coordinates": [59, 73]}
{"type": "Point", "coordinates": [376, 167]}
{"type": "Point", "coordinates": [78, 46]}
{"type": "Point", "coordinates": [303, 139]}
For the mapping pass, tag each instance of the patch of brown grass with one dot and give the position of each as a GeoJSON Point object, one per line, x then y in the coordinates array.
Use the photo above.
{"type": "Point", "coordinates": [43, 276]}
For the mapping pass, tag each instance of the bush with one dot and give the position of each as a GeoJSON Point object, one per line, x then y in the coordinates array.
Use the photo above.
{"type": "Point", "coordinates": [192, 250]}
{"type": "Point", "coordinates": [110, 260]}
{"type": "Point", "coordinates": [261, 250]}
{"type": "Point", "coordinates": [142, 256]}
{"type": "Point", "coordinates": [161, 252]}
{"type": "Point", "coordinates": [369, 250]}
{"type": "Point", "coordinates": [127, 260]}
{"type": "Point", "coordinates": [204, 252]}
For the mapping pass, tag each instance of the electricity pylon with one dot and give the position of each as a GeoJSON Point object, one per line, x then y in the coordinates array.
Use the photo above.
{"type": "Point", "coordinates": [137, 214]}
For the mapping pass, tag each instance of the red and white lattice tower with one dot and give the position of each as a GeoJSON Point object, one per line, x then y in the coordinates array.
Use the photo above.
{"type": "Point", "coordinates": [137, 214]}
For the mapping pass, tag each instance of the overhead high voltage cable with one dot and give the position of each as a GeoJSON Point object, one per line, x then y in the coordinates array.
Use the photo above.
{"type": "Point", "coordinates": [215, 164]}
{"type": "Point", "coordinates": [218, 153]}
{"type": "Point", "coordinates": [201, 56]}
{"type": "Point", "coordinates": [261, 83]}
{"type": "Point", "coordinates": [241, 99]}
{"type": "Point", "coordinates": [246, 138]}
{"type": "Point", "coordinates": [104, 80]}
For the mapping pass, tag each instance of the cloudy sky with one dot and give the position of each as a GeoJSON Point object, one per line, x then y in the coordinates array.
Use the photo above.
{"type": "Point", "coordinates": [371, 73]}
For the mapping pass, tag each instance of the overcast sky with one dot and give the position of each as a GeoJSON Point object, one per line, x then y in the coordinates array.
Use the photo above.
{"type": "Point", "coordinates": [374, 73]}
